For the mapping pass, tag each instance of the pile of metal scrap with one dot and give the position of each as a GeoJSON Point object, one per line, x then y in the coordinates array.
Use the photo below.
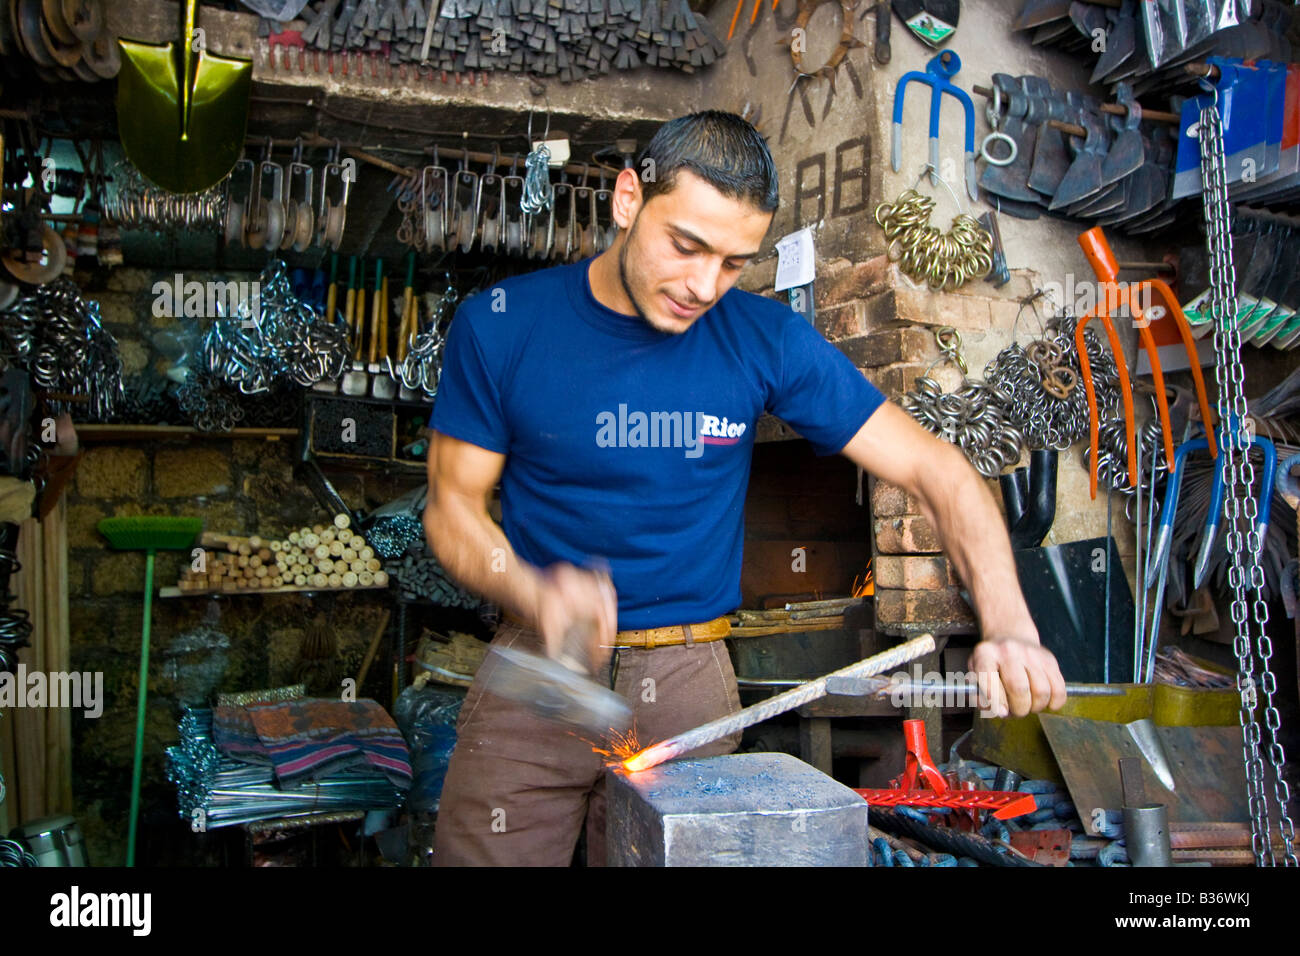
{"type": "Point", "coordinates": [568, 40]}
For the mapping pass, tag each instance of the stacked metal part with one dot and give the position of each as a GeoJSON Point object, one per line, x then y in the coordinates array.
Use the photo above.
{"type": "Point", "coordinates": [1074, 157]}
{"type": "Point", "coordinates": [56, 335]}
{"type": "Point", "coordinates": [568, 40]}
{"type": "Point", "coordinates": [419, 575]}
{"type": "Point", "coordinates": [275, 339]}
{"type": "Point", "coordinates": [1148, 42]}
{"type": "Point", "coordinates": [217, 791]}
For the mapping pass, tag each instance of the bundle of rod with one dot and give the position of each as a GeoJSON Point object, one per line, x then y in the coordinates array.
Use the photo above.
{"type": "Point", "coordinates": [310, 558]}
{"type": "Point", "coordinates": [419, 575]}
{"type": "Point", "coordinates": [276, 338]}
{"type": "Point", "coordinates": [797, 616]}
{"type": "Point", "coordinates": [213, 790]}
{"type": "Point", "coordinates": [1175, 666]}
{"type": "Point", "coordinates": [568, 39]}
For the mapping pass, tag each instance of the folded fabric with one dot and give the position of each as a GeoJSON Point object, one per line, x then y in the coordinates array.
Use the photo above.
{"type": "Point", "coordinates": [309, 738]}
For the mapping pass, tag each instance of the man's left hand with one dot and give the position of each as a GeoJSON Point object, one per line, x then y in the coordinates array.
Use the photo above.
{"type": "Point", "coordinates": [1018, 676]}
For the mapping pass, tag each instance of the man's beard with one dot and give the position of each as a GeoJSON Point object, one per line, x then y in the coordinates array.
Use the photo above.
{"type": "Point", "coordinates": [627, 286]}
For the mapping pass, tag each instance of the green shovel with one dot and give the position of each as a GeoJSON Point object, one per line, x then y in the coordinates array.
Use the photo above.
{"type": "Point", "coordinates": [182, 111]}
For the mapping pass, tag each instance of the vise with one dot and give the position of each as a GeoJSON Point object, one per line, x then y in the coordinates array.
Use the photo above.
{"type": "Point", "coordinates": [758, 809]}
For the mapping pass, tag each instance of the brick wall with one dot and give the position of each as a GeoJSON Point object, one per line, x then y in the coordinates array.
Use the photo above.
{"type": "Point", "coordinates": [885, 325]}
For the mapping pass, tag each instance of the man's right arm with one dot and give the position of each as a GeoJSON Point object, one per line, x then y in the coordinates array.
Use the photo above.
{"type": "Point", "coordinates": [474, 550]}
{"type": "Point", "coordinates": [460, 531]}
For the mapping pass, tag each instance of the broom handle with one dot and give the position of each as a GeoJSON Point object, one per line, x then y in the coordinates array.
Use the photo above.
{"type": "Point", "coordinates": [137, 766]}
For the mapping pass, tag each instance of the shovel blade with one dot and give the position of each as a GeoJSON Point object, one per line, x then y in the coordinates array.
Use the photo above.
{"type": "Point", "coordinates": [178, 153]}
{"type": "Point", "coordinates": [1124, 158]}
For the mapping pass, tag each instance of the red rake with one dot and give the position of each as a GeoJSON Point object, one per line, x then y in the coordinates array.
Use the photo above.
{"type": "Point", "coordinates": [922, 785]}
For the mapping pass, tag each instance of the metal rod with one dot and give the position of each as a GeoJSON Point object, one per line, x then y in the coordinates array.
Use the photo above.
{"type": "Point", "coordinates": [813, 690]}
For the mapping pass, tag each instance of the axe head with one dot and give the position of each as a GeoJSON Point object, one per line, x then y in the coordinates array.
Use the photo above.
{"type": "Point", "coordinates": [557, 692]}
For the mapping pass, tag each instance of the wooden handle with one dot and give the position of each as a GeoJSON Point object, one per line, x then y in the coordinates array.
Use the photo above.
{"type": "Point", "coordinates": [331, 302]}
{"type": "Point", "coordinates": [361, 325]}
{"type": "Point", "coordinates": [383, 320]}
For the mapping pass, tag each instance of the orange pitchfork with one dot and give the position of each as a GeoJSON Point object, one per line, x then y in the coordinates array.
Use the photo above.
{"type": "Point", "coordinates": [1113, 297]}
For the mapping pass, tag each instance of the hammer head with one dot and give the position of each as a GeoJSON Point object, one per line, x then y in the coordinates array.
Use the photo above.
{"type": "Point", "coordinates": [557, 692]}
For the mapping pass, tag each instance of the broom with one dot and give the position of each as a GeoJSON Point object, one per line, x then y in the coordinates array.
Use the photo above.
{"type": "Point", "coordinates": [148, 534]}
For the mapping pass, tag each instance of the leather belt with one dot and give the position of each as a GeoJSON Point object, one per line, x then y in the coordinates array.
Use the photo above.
{"type": "Point", "coordinates": [714, 630]}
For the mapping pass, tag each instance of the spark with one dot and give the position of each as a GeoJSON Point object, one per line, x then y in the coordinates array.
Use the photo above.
{"type": "Point", "coordinates": [621, 746]}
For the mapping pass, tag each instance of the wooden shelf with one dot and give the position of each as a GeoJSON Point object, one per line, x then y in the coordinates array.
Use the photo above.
{"type": "Point", "coordinates": [103, 433]}
{"type": "Point", "coordinates": [175, 592]}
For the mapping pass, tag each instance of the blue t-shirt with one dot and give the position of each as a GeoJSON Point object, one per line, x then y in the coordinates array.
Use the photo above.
{"type": "Point", "coordinates": [632, 445]}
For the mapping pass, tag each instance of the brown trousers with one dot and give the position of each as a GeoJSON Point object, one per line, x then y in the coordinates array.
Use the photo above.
{"type": "Point", "coordinates": [519, 788]}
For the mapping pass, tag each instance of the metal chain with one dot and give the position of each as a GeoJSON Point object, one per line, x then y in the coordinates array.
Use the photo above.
{"type": "Point", "coordinates": [1240, 507]}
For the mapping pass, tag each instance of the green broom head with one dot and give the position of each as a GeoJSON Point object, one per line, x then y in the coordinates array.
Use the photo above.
{"type": "Point", "coordinates": [151, 532]}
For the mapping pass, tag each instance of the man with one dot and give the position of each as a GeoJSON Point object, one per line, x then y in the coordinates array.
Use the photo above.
{"type": "Point", "coordinates": [616, 399]}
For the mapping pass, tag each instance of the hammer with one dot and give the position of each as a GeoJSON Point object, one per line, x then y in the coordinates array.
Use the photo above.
{"type": "Point", "coordinates": [560, 689]}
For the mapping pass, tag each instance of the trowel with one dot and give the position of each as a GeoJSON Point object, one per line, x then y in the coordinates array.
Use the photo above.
{"type": "Point", "coordinates": [559, 689]}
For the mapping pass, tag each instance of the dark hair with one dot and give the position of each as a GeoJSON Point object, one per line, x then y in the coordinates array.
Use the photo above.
{"type": "Point", "coordinates": [721, 148]}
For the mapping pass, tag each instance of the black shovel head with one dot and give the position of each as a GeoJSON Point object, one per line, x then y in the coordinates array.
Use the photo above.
{"type": "Point", "coordinates": [1124, 158]}
{"type": "Point", "coordinates": [1121, 43]}
{"type": "Point", "coordinates": [933, 22]}
{"type": "Point", "coordinates": [1065, 588]}
{"type": "Point", "coordinates": [1037, 12]}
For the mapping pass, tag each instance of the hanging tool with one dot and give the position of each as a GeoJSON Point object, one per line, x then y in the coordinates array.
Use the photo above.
{"type": "Point", "coordinates": [331, 317]}
{"type": "Point", "coordinates": [1216, 500]}
{"type": "Point", "coordinates": [381, 384]}
{"type": "Point", "coordinates": [1110, 298]}
{"type": "Point", "coordinates": [1136, 295]}
{"type": "Point", "coordinates": [933, 22]}
{"type": "Point", "coordinates": [182, 110]}
{"type": "Point", "coordinates": [937, 76]}
{"type": "Point", "coordinates": [884, 20]}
